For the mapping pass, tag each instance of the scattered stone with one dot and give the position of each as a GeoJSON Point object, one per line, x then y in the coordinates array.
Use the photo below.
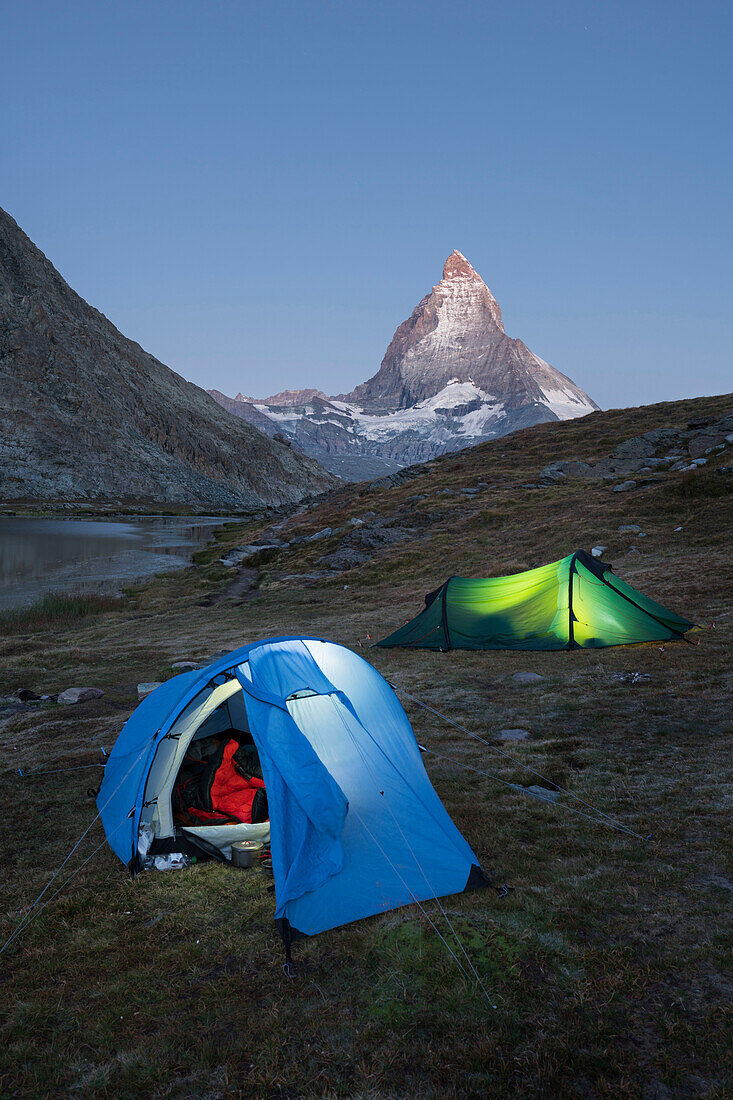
{"type": "Point", "coordinates": [700, 422]}
{"type": "Point", "coordinates": [514, 735]}
{"type": "Point", "coordinates": [26, 695]}
{"type": "Point", "coordinates": [598, 551]}
{"type": "Point", "coordinates": [144, 689]}
{"type": "Point", "coordinates": [470, 492]}
{"type": "Point", "coordinates": [633, 550]}
{"type": "Point", "coordinates": [322, 534]}
{"type": "Point", "coordinates": [79, 695]}
{"type": "Point", "coordinates": [527, 677]}
{"type": "Point", "coordinates": [185, 666]}
{"type": "Point", "coordinates": [544, 792]}
{"type": "Point", "coordinates": [624, 486]}
{"type": "Point", "coordinates": [344, 558]}
{"type": "Point", "coordinates": [629, 529]}
{"type": "Point", "coordinates": [356, 521]}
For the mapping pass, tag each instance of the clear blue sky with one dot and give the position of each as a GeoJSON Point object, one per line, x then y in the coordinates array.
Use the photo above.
{"type": "Point", "coordinates": [259, 193]}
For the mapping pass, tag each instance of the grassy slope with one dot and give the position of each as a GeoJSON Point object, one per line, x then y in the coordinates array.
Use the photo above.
{"type": "Point", "coordinates": [607, 963]}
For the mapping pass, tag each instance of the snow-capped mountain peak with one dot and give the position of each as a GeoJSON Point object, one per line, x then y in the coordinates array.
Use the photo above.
{"type": "Point", "coordinates": [450, 377]}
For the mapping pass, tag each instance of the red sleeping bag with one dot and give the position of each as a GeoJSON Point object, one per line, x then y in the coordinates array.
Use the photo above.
{"type": "Point", "coordinates": [220, 788]}
{"type": "Point", "coordinates": [231, 792]}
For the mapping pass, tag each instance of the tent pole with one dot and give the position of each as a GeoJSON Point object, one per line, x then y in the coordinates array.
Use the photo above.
{"type": "Point", "coordinates": [571, 631]}
{"type": "Point", "coordinates": [444, 602]}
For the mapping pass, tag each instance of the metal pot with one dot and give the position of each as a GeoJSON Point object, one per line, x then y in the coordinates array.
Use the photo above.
{"type": "Point", "coordinates": [245, 853]}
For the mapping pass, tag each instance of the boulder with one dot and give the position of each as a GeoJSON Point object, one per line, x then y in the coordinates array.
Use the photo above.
{"type": "Point", "coordinates": [344, 558]}
{"type": "Point", "coordinates": [145, 689]}
{"type": "Point", "coordinates": [322, 534]}
{"type": "Point", "coordinates": [629, 529]}
{"type": "Point", "coordinates": [624, 486]}
{"type": "Point", "coordinates": [513, 735]}
{"type": "Point", "coordinates": [79, 695]}
{"type": "Point", "coordinates": [638, 447]}
{"type": "Point", "coordinates": [373, 537]}
{"type": "Point", "coordinates": [598, 551]}
{"type": "Point", "coordinates": [549, 474]}
{"type": "Point", "coordinates": [26, 695]}
{"type": "Point", "coordinates": [527, 678]}
{"type": "Point", "coordinates": [617, 467]}
{"type": "Point", "coordinates": [703, 443]}
{"type": "Point", "coordinates": [662, 436]}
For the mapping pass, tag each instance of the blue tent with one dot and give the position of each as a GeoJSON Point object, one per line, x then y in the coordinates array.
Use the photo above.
{"type": "Point", "coordinates": [355, 826]}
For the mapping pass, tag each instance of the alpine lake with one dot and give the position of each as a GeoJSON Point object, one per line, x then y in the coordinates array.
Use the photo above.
{"type": "Point", "coordinates": [77, 554]}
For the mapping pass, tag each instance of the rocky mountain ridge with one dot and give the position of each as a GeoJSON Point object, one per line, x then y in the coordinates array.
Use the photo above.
{"type": "Point", "coordinates": [87, 414]}
{"type": "Point", "coordinates": [450, 378]}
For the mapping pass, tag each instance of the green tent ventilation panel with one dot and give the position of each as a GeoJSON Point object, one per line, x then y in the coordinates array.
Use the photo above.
{"type": "Point", "coordinates": [574, 603]}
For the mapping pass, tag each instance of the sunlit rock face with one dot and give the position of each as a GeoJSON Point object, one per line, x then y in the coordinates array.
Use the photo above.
{"type": "Point", "coordinates": [450, 378]}
{"type": "Point", "coordinates": [86, 414]}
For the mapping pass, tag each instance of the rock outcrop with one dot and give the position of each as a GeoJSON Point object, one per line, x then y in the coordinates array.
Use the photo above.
{"type": "Point", "coordinates": [86, 414]}
{"type": "Point", "coordinates": [451, 377]}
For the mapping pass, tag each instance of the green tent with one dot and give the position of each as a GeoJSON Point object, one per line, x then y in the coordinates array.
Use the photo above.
{"type": "Point", "coordinates": [574, 603]}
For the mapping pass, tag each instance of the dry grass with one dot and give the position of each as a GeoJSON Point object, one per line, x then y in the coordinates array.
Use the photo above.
{"type": "Point", "coordinates": [54, 611]}
{"type": "Point", "coordinates": [609, 963]}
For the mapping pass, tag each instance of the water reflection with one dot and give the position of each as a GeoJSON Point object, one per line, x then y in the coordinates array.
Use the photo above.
{"type": "Point", "coordinates": [67, 555]}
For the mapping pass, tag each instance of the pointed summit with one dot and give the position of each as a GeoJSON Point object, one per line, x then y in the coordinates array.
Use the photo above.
{"type": "Point", "coordinates": [457, 265]}
{"type": "Point", "coordinates": [456, 334]}
{"type": "Point", "coordinates": [451, 377]}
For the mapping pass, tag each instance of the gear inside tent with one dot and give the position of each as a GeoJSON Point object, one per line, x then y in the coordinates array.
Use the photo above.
{"type": "Point", "coordinates": [574, 603]}
{"type": "Point", "coordinates": [301, 743]}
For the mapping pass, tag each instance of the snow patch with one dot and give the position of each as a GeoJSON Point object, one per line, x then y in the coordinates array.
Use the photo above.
{"type": "Point", "coordinates": [565, 404]}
